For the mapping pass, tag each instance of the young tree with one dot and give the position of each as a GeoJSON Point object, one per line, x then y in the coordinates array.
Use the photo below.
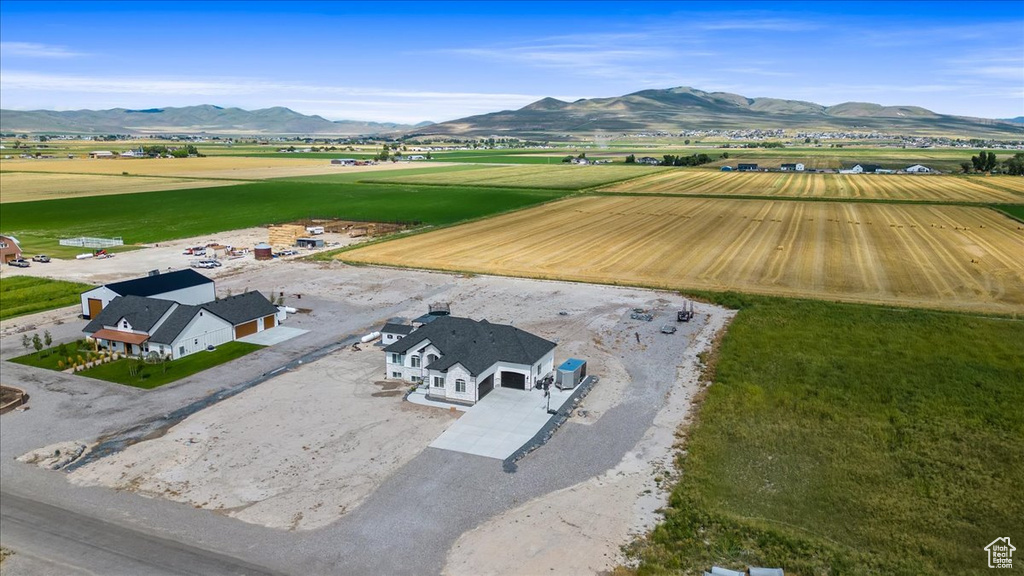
{"type": "Point", "coordinates": [47, 338]}
{"type": "Point", "coordinates": [26, 342]}
{"type": "Point", "coordinates": [631, 159]}
{"type": "Point", "coordinates": [37, 343]}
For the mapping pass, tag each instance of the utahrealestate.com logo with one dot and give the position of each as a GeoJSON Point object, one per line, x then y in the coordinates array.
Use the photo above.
{"type": "Point", "coordinates": [1000, 553]}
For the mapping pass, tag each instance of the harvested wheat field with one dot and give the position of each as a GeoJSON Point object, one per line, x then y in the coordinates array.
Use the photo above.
{"type": "Point", "coordinates": [231, 167]}
{"type": "Point", "coordinates": [28, 186]}
{"type": "Point", "coordinates": [1003, 189]}
{"type": "Point", "coordinates": [560, 176]}
{"type": "Point", "coordinates": [931, 256]}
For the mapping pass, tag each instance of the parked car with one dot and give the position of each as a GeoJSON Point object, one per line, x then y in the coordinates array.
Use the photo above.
{"type": "Point", "coordinates": [41, 258]}
{"type": "Point", "coordinates": [19, 263]}
{"type": "Point", "coordinates": [668, 329]}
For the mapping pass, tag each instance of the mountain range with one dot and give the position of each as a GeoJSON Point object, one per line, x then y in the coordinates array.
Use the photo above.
{"type": "Point", "coordinates": [190, 120]}
{"type": "Point", "coordinates": [679, 109]}
{"type": "Point", "coordinates": [670, 110]}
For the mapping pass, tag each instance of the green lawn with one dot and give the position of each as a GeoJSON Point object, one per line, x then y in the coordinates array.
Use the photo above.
{"type": "Point", "coordinates": [845, 439]}
{"type": "Point", "coordinates": [21, 295]}
{"type": "Point", "coordinates": [155, 375]}
{"type": "Point", "coordinates": [158, 216]}
{"type": "Point", "coordinates": [48, 358]}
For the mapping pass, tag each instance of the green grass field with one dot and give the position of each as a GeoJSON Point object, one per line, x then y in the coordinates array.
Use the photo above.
{"type": "Point", "coordinates": [354, 177]}
{"type": "Point", "coordinates": [156, 216]}
{"type": "Point", "coordinates": [20, 295]}
{"type": "Point", "coordinates": [845, 439]}
{"type": "Point", "coordinates": [1017, 211]}
{"type": "Point", "coordinates": [155, 375]}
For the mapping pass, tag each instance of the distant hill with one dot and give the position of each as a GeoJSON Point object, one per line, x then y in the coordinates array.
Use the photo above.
{"type": "Point", "coordinates": [1017, 120]}
{"type": "Point", "coordinates": [190, 120]}
{"type": "Point", "coordinates": [678, 109]}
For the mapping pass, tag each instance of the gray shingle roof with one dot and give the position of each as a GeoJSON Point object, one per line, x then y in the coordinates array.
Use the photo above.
{"type": "Point", "coordinates": [141, 313]}
{"type": "Point", "coordinates": [174, 324]}
{"type": "Point", "coordinates": [475, 345]}
{"type": "Point", "coordinates": [242, 308]}
{"type": "Point", "coordinates": [391, 328]}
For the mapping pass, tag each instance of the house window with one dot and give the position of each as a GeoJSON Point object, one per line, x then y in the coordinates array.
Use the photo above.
{"type": "Point", "coordinates": [438, 382]}
{"type": "Point", "coordinates": [417, 379]}
{"type": "Point", "coordinates": [181, 350]}
{"type": "Point", "coordinates": [394, 359]}
{"type": "Point", "coordinates": [460, 385]}
{"type": "Point", "coordinates": [396, 374]}
{"type": "Point", "coordinates": [415, 361]}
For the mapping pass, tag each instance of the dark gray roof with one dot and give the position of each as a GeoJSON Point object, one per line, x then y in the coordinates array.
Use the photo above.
{"type": "Point", "coordinates": [391, 328]}
{"type": "Point", "coordinates": [141, 313]}
{"type": "Point", "coordinates": [159, 284]}
{"type": "Point", "coordinates": [869, 167]}
{"type": "Point", "coordinates": [242, 308]}
{"type": "Point", "coordinates": [475, 345]}
{"type": "Point", "coordinates": [174, 324]}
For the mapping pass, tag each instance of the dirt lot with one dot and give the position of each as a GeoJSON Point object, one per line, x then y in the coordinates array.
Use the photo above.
{"type": "Point", "coordinates": [928, 256]}
{"type": "Point", "coordinates": [295, 453]}
{"type": "Point", "coordinates": [170, 256]}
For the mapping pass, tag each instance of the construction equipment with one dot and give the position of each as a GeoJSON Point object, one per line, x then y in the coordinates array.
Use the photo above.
{"type": "Point", "coordinates": [686, 314]}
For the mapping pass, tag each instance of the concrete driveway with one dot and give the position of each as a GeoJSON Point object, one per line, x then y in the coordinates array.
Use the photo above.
{"type": "Point", "coordinates": [274, 335]}
{"type": "Point", "coordinates": [499, 424]}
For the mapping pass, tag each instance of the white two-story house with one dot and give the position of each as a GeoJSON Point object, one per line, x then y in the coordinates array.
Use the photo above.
{"type": "Point", "coordinates": [461, 360]}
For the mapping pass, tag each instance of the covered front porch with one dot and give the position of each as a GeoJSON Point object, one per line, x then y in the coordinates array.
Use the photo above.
{"type": "Point", "coordinates": [127, 343]}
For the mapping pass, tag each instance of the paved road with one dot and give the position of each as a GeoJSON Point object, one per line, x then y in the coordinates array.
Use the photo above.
{"type": "Point", "coordinates": [100, 547]}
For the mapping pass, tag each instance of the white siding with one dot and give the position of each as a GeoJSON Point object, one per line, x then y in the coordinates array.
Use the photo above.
{"type": "Point", "coordinates": [103, 294]}
{"type": "Point", "coordinates": [203, 330]}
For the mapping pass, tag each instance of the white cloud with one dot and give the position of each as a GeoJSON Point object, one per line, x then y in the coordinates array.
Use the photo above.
{"type": "Point", "coordinates": [37, 50]}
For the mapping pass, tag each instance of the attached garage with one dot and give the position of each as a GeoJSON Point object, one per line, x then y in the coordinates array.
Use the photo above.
{"type": "Point", "coordinates": [246, 329]}
{"type": "Point", "coordinates": [268, 322]}
{"type": "Point", "coordinates": [485, 386]}
{"type": "Point", "coordinates": [513, 380]}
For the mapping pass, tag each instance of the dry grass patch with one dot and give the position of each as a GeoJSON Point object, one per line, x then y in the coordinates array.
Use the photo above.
{"type": "Point", "coordinates": [562, 177]}
{"type": "Point", "coordinates": [242, 168]}
{"type": "Point", "coordinates": [985, 189]}
{"type": "Point", "coordinates": [932, 256]}
{"type": "Point", "coordinates": [26, 186]}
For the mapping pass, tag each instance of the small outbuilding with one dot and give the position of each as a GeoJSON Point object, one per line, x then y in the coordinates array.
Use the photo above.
{"type": "Point", "coordinates": [570, 373]}
{"type": "Point", "coordinates": [747, 167]}
{"type": "Point", "coordinates": [309, 243]}
{"type": "Point", "coordinates": [182, 286]}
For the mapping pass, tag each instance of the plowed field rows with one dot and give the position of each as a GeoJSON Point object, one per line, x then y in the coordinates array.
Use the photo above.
{"type": "Point", "coordinates": [933, 256]}
{"type": "Point", "coordinates": [1005, 189]}
{"type": "Point", "coordinates": [562, 177]}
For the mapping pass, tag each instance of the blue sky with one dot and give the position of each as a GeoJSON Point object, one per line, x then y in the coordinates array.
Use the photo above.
{"type": "Point", "coordinates": [407, 62]}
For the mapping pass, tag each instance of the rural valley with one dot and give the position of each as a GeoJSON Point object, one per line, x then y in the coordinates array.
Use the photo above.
{"type": "Point", "coordinates": [676, 331]}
